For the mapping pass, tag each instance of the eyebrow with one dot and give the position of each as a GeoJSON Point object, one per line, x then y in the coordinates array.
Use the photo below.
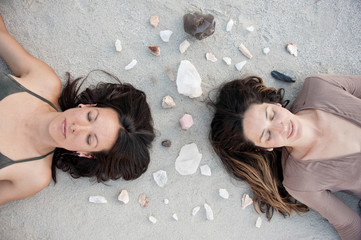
{"type": "Point", "coordinates": [263, 129]}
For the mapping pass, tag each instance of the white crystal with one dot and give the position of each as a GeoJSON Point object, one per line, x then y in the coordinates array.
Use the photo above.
{"type": "Point", "coordinates": [131, 64]}
{"type": "Point", "coordinates": [168, 102]}
{"type": "Point", "coordinates": [175, 217]}
{"type": "Point", "coordinates": [246, 201]}
{"type": "Point", "coordinates": [211, 57]}
{"type": "Point", "coordinates": [97, 199]}
{"type": "Point", "coordinates": [188, 160]}
{"type": "Point", "coordinates": [227, 60]}
{"type": "Point", "coordinates": [195, 210]}
{"type": "Point", "coordinates": [118, 45]}
{"type": "Point", "coordinates": [160, 177]}
{"type": "Point", "coordinates": [184, 46]}
{"type": "Point", "coordinates": [229, 25]}
{"type": "Point", "coordinates": [223, 193]}
{"type": "Point", "coordinates": [152, 219]}
{"type": "Point", "coordinates": [188, 80]}
{"type": "Point", "coordinates": [266, 50]}
{"type": "Point", "coordinates": [206, 170]}
{"type": "Point", "coordinates": [259, 222]}
{"type": "Point", "coordinates": [209, 212]}
{"type": "Point", "coordinates": [240, 65]}
{"type": "Point", "coordinates": [165, 35]}
{"type": "Point", "coordinates": [124, 196]}
{"type": "Point", "coordinates": [166, 201]}
{"type": "Point", "coordinates": [250, 29]}
{"type": "Point", "coordinates": [292, 49]}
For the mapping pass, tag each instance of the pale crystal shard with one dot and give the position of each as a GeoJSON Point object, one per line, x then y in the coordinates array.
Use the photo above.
{"type": "Point", "coordinates": [186, 121]}
{"type": "Point", "coordinates": [166, 201]}
{"type": "Point", "coordinates": [170, 74]}
{"type": "Point", "coordinates": [229, 25]}
{"type": "Point", "coordinates": [211, 57]}
{"type": "Point", "coordinates": [195, 210]}
{"type": "Point", "coordinates": [152, 219]}
{"type": "Point", "coordinates": [165, 35]}
{"type": "Point", "coordinates": [266, 50]}
{"type": "Point", "coordinates": [240, 65]}
{"type": "Point", "coordinates": [227, 60]}
{"type": "Point", "coordinates": [160, 177]}
{"type": "Point", "coordinates": [209, 212]}
{"type": "Point", "coordinates": [131, 64]}
{"type": "Point", "coordinates": [259, 222]}
{"type": "Point", "coordinates": [223, 193]}
{"type": "Point", "coordinates": [143, 200]}
{"type": "Point", "coordinates": [168, 102]}
{"type": "Point", "coordinates": [175, 217]}
{"type": "Point", "coordinates": [188, 160]}
{"type": "Point", "coordinates": [188, 80]}
{"type": "Point", "coordinates": [245, 51]}
{"type": "Point", "coordinates": [184, 46]}
{"type": "Point", "coordinates": [154, 20]}
{"type": "Point", "coordinates": [250, 29]}
{"type": "Point", "coordinates": [124, 196]}
{"type": "Point", "coordinates": [97, 199]}
{"type": "Point", "coordinates": [206, 170]}
{"type": "Point", "coordinates": [118, 45]}
{"type": "Point", "coordinates": [246, 201]}
{"type": "Point", "coordinates": [155, 50]}
{"type": "Point", "coordinates": [292, 49]}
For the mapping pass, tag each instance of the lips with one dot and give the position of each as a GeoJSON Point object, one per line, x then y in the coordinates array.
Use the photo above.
{"type": "Point", "coordinates": [63, 127]}
{"type": "Point", "coordinates": [291, 130]}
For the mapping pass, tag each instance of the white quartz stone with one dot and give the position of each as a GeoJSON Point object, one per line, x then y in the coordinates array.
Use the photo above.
{"type": "Point", "coordinates": [188, 160]}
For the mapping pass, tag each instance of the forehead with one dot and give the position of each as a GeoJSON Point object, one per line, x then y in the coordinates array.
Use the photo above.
{"type": "Point", "coordinates": [254, 121]}
{"type": "Point", "coordinates": [107, 127]}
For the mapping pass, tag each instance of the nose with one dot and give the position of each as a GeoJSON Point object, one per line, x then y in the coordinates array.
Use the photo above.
{"type": "Point", "coordinates": [76, 128]}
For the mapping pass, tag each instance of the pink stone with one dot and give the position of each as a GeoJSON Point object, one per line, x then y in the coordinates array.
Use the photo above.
{"type": "Point", "coordinates": [186, 121]}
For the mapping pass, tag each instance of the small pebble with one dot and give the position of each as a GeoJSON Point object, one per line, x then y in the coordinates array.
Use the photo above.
{"type": "Point", "coordinates": [259, 222]}
{"type": "Point", "coordinates": [124, 196]}
{"type": "Point", "coordinates": [152, 219]}
{"type": "Point", "coordinates": [166, 143]}
{"type": "Point", "coordinates": [97, 199]}
{"type": "Point", "coordinates": [143, 200]}
{"type": "Point", "coordinates": [195, 210]}
{"type": "Point", "coordinates": [118, 45]}
{"type": "Point", "coordinates": [154, 20]}
{"type": "Point", "coordinates": [175, 217]}
{"type": "Point", "coordinates": [166, 201]}
{"type": "Point", "coordinates": [186, 121]}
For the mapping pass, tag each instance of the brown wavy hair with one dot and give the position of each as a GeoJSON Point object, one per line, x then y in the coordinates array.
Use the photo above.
{"type": "Point", "coordinates": [129, 157]}
{"type": "Point", "coordinates": [260, 168]}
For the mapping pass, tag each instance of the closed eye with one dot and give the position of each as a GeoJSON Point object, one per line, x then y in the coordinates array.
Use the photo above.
{"type": "Point", "coordinates": [89, 139]}
{"type": "Point", "coordinates": [269, 136]}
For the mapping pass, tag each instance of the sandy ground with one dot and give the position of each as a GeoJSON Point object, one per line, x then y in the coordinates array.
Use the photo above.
{"type": "Point", "coordinates": [79, 35]}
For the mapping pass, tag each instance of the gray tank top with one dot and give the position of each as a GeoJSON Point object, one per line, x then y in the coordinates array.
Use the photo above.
{"type": "Point", "coordinates": [8, 86]}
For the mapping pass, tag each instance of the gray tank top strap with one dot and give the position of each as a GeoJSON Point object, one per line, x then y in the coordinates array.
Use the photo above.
{"type": "Point", "coordinates": [5, 161]}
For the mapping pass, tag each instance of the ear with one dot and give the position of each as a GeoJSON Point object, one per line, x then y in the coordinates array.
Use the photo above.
{"type": "Point", "coordinates": [83, 154]}
{"type": "Point", "coordinates": [279, 104]}
{"type": "Point", "coordinates": [86, 105]}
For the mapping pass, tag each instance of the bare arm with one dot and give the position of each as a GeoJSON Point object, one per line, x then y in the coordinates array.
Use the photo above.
{"type": "Point", "coordinates": [346, 221]}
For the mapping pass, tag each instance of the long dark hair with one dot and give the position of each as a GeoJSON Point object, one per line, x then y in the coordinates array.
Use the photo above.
{"type": "Point", "coordinates": [129, 157]}
{"type": "Point", "coordinates": [260, 168]}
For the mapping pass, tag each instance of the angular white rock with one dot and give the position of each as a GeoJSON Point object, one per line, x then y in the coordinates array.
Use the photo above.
{"type": "Point", "coordinates": [118, 45]}
{"type": "Point", "coordinates": [165, 35]}
{"type": "Point", "coordinates": [175, 217]}
{"type": "Point", "coordinates": [229, 25]}
{"type": "Point", "coordinates": [97, 199]}
{"type": "Point", "coordinates": [188, 160]}
{"type": "Point", "coordinates": [186, 121]}
{"type": "Point", "coordinates": [168, 102]}
{"type": "Point", "coordinates": [240, 65]}
{"type": "Point", "coordinates": [209, 212]}
{"type": "Point", "coordinates": [250, 29]}
{"type": "Point", "coordinates": [160, 177]}
{"type": "Point", "coordinates": [195, 210]}
{"type": "Point", "coordinates": [124, 196]}
{"type": "Point", "coordinates": [152, 219]}
{"type": "Point", "coordinates": [259, 222]}
{"type": "Point", "coordinates": [246, 201]}
{"type": "Point", "coordinates": [223, 193]}
{"type": "Point", "coordinates": [227, 60]}
{"type": "Point", "coordinates": [206, 170]}
{"type": "Point", "coordinates": [266, 50]}
{"type": "Point", "coordinates": [131, 64]}
{"type": "Point", "coordinates": [292, 49]}
{"type": "Point", "coordinates": [154, 21]}
{"type": "Point", "coordinates": [188, 80]}
{"type": "Point", "coordinates": [184, 46]}
{"type": "Point", "coordinates": [245, 51]}
{"type": "Point", "coordinates": [211, 57]}
{"type": "Point", "coordinates": [166, 201]}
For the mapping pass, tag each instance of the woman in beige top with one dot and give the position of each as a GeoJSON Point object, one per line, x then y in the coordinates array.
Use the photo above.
{"type": "Point", "coordinates": [308, 152]}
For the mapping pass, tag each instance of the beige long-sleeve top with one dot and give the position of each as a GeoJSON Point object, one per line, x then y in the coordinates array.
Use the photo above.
{"type": "Point", "coordinates": [313, 182]}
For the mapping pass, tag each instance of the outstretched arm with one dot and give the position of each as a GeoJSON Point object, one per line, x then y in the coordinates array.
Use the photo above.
{"type": "Point", "coordinates": [346, 221]}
